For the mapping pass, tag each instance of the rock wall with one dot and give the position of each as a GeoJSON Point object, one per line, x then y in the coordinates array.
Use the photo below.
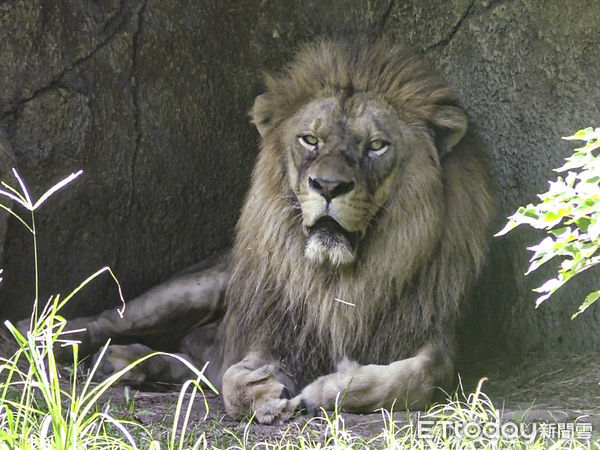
{"type": "Point", "coordinates": [150, 99]}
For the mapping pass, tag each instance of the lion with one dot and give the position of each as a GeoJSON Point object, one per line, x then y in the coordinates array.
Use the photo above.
{"type": "Point", "coordinates": [364, 227]}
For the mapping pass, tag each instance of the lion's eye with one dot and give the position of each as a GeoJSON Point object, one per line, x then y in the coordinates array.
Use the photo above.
{"type": "Point", "coordinates": [308, 141]}
{"type": "Point", "coordinates": [377, 147]}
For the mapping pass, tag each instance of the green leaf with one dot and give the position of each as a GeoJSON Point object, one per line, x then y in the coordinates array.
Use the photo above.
{"type": "Point", "coordinates": [575, 161]}
{"type": "Point", "coordinates": [530, 211]}
{"type": "Point", "coordinates": [589, 300]}
{"type": "Point", "coordinates": [537, 261]}
{"type": "Point", "coordinates": [580, 135]}
{"type": "Point", "coordinates": [546, 246]}
{"type": "Point", "coordinates": [542, 299]}
{"type": "Point", "coordinates": [588, 249]}
{"type": "Point", "coordinates": [569, 249]}
{"type": "Point", "coordinates": [561, 231]}
{"type": "Point", "coordinates": [510, 225]}
{"type": "Point", "coordinates": [583, 223]}
{"type": "Point", "coordinates": [550, 286]}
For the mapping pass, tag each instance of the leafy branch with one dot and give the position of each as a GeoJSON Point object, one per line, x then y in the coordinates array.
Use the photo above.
{"type": "Point", "coordinates": [570, 213]}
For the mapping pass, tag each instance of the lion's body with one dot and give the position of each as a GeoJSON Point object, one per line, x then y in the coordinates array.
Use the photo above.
{"type": "Point", "coordinates": [420, 254]}
{"type": "Point", "coordinates": [363, 229]}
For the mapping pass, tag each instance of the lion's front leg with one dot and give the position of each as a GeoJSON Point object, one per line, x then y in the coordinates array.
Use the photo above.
{"type": "Point", "coordinates": [258, 386]}
{"type": "Point", "coordinates": [409, 384]}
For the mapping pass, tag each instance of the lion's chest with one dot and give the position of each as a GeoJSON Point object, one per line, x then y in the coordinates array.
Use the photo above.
{"type": "Point", "coordinates": [328, 324]}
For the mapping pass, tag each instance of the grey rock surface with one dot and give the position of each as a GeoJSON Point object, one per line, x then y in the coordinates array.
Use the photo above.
{"type": "Point", "coordinates": [150, 99]}
{"type": "Point", "coordinates": [6, 164]}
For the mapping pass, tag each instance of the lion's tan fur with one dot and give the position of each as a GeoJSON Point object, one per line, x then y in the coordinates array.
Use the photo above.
{"type": "Point", "coordinates": [420, 254]}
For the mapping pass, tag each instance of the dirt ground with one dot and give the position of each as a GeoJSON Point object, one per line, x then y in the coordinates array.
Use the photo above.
{"type": "Point", "coordinates": [566, 385]}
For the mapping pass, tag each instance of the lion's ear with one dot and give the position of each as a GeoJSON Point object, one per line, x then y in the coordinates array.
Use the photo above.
{"type": "Point", "coordinates": [261, 114]}
{"type": "Point", "coordinates": [449, 125]}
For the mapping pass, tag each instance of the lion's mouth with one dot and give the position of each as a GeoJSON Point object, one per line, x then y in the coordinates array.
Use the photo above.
{"type": "Point", "coordinates": [330, 232]}
{"type": "Point", "coordinates": [329, 242]}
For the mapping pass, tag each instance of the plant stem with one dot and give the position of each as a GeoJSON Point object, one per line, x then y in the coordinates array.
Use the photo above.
{"type": "Point", "coordinates": [35, 268]}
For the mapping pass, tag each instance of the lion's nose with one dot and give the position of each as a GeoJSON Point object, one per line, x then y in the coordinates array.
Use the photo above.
{"type": "Point", "coordinates": [330, 189]}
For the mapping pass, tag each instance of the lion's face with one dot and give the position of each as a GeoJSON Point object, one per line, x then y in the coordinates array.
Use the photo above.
{"type": "Point", "coordinates": [342, 155]}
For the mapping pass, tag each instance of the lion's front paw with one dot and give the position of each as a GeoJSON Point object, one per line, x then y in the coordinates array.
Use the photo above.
{"type": "Point", "coordinates": [314, 397]}
{"type": "Point", "coordinates": [252, 387]}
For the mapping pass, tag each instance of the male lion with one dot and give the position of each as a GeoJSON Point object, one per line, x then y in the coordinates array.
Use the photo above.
{"type": "Point", "coordinates": [364, 227]}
